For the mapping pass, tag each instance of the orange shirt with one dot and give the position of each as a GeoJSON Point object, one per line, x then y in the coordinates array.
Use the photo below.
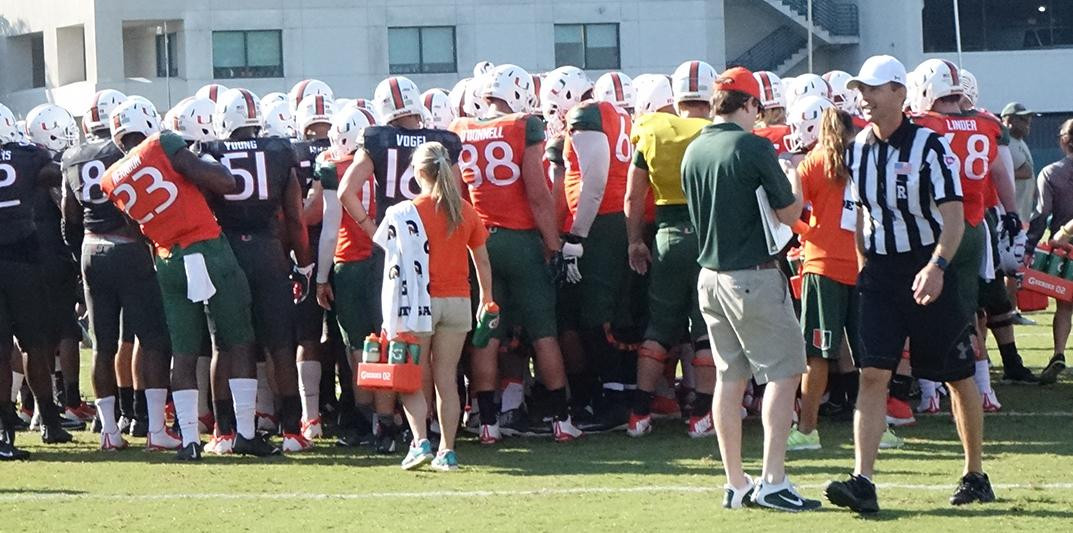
{"type": "Point", "coordinates": [448, 257]}
{"type": "Point", "coordinates": [615, 124]}
{"type": "Point", "coordinates": [776, 134]}
{"type": "Point", "coordinates": [491, 161]}
{"type": "Point", "coordinates": [830, 249]}
{"type": "Point", "coordinates": [353, 243]}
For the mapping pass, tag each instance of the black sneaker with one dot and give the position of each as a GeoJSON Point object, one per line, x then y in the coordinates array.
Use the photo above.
{"type": "Point", "coordinates": [514, 423]}
{"type": "Point", "coordinates": [782, 497]}
{"type": "Point", "coordinates": [1019, 375]}
{"type": "Point", "coordinates": [258, 446]}
{"type": "Point", "coordinates": [72, 424]}
{"type": "Point", "coordinates": [190, 452]}
{"type": "Point", "coordinates": [352, 438]}
{"type": "Point", "coordinates": [55, 434]}
{"type": "Point", "coordinates": [8, 452]}
{"type": "Point", "coordinates": [856, 493]}
{"type": "Point", "coordinates": [738, 498]}
{"type": "Point", "coordinates": [973, 487]}
{"type": "Point", "coordinates": [139, 428]}
{"type": "Point", "coordinates": [1050, 374]}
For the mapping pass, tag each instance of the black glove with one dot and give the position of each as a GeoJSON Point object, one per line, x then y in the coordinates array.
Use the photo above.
{"type": "Point", "coordinates": [1011, 226]}
{"type": "Point", "coordinates": [302, 278]}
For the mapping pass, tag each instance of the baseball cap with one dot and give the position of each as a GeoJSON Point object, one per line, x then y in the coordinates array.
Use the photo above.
{"type": "Point", "coordinates": [1015, 108]}
{"type": "Point", "coordinates": [879, 70]}
{"type": "Point", "coordinates": [738, 79]}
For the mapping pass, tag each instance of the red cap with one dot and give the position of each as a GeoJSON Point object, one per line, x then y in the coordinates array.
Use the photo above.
{"type": "Point", "coordinates": [738, 79]}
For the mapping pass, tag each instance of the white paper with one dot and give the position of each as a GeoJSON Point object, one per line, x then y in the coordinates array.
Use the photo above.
{"type": "Point", "coordinates": [776, 233]}
{"type": "Point", "coordinates": [199, 287]}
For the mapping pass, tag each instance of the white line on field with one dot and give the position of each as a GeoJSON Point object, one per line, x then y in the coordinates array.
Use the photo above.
{"type": "Point", "coordinates": [50, 496]}
{"type": "Point", "coordinates": [1007, 413]}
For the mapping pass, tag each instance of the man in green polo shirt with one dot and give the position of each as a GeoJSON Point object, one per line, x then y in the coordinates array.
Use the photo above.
{"type": "Point", "coordinates": [742, 293]}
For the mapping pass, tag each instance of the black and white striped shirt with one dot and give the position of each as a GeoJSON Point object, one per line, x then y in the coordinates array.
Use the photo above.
{"type": "Point", "coordinates": [900, 183]}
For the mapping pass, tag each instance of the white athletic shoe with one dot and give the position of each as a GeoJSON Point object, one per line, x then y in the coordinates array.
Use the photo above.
{"type": "Point", "coordinates": [221, 444]}
{"type": "Point", "coordinates": [929, 404]}
{"type": "Point", "coordinates": [296, 442]}
{"type": "Point", "coordinates": [112, 442]}
{"type": "Point", "coordinates": [162, 440]}
{"type": "Point", "coordinates": [312, 429]}
{"type": "Point", "coordinates": [991, 403]}
{"type": "Point", "coordinates": [490, 434]}
{"type": "Point", "coordinates": [701, 426]}
{"type": "Point", "coordinates": [565, 431]}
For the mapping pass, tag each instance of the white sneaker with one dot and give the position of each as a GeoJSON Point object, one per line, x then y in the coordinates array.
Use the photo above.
{"type": "Point", "coordinates": [735, 498]}
{"type": "Point", "coordinates": [312, 429]}
{"type": "Point", "coordinates": [991, 403]}
{"type": "Point", "coordinates": [639, 426]}
{"type": "Point", "coordinates": [565, 431]}
{"type": "Point", "coordinates": [221, 444]}
{"type": "Point", "coordinates": [162, 440]}
{"type": "Point", "coordinates": [783, 496]}
{"type": "Point", "coordinates": [701, 426]}
{"type": "Point", "coordinates": [296, 442]}
{"type": "Point", "coordinates": [490, 434]}
{"type": "Point", "coordinates": [112, 442]}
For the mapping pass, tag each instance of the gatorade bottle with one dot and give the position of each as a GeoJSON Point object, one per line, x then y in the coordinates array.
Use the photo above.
{"type": "Point", "coordinates": [396, 351]}
{"type": "Point", "coordinates": [413, 349]}
{"type": "Point", "coordinates": [488, 321]}
{"type": "Point", "coordinates": [370, 353]}
{"type": "Point", "coordinates": [1057, 263]}
{"type": "Point", "coordinates": [1041, 257]}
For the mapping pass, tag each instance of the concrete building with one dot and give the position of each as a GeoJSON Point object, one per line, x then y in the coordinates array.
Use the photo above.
{"type": "Point", "coordinates": [64, 50]}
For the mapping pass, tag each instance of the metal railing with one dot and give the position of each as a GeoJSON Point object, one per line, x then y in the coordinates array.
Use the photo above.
{"type": "Point", "coordinates": [839, 18]}
{"type": "Point", "coordinates": [772, 50]}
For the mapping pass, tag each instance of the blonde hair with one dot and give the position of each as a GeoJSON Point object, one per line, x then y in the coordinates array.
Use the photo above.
{"type": "Point", "coordinates": [433, 164]}
{"type": "Point", "coordinates": [835, 128]}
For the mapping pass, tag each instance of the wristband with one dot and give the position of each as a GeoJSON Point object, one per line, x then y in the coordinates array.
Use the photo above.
{"type": "Point", "coordinates": [940, 262]}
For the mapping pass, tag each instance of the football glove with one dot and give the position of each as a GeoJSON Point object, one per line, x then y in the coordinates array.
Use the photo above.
{"type": "Point", "coordinates": [1011, 251]}
{"type": "Point", "coordinates": [302, 277]}
{"type": "Point", "coordinates": [572, 252]}
{"type": "Point", "coordinates": [1010, 226]}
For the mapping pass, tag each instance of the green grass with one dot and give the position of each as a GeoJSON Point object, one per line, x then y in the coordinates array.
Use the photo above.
{"type": "Point", "coordinates": [603, 482]}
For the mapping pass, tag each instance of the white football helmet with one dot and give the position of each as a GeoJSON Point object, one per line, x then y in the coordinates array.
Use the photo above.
{"type": "Point", "coordinates": [617, 88]}
{"type": "Point", "coordinates": [804, 119]}
{"type": "Point", "coordinates": [771, 96]}
{"type": "Point", "coordinates": [211, 91]}
{"type": "Point", "coordinates": [437, 106]}
{"type": "Point", "coordinates": [96, 116]}
{"type": "Point", "coordinates": [482, 68]}
{"type": "Point", "coordinates": [271, 98]}
{"type": "Point", "coordinates": [305, 89]}
{"type": "Point", "coordinates": [970, 87]}
{"type": "Point", "coordinates": [236, 108]}
{"type": "Point", "coordinates": [509, 83]}
{"type": "Point", "coordinates": [936, 78]}
{"type": "Point", "coordinates": [457, 98]}
{"type": "Point", "coordinates": [787, 84]}
{"type": "Point", "coordinates": [693, 81]}
{"type": "Point", "coordinates": [192, 119]}
{"type": "Point", "coordinates": [808, 85]}
{"type": "Point", "coordinates": [340, 104]}
{"type": "Point", "coordinates": [9, 128]}
{"type": "Point", "coordinates": [653, 93]}
{"type": "Point", "coordinates": [313, 110]}
{"type": "Point", "coordinates": [277, 120]}
{"type": "Point", "coordinates": [396, 97]}
{"type": "Point", "coordinates": [346, 131]}
{"type": "Point", "coordinates": [563, 88]}
{"type": "Point", "coordinates": [132, 116]}
{"type": "Point", "coordinates": [841, 95]}
{"type": "Point", "coordinates": [52, 127]}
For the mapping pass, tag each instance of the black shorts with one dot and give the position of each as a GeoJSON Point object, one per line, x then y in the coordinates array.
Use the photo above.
{"type": "Point", "coordinates": [939, 334]}
{"type": "Point", "coordinates": [123, 296]}
{"type": "Point", "coordinates": [61, 282]}
{"type": "Point", "coordinates": [309, 321]}
{"type": "Point", "coordinates": [23, 312]}
{"type": "Point", "coordinates": [267, 270]}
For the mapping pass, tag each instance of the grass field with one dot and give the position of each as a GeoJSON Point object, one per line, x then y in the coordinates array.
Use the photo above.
{"type": "Point", "coordinates": [605, 482]}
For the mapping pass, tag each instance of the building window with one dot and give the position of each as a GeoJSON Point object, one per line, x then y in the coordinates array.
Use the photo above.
{"type": "Point", "coordinates": [167, 55]}
{"type": "Point", "coordinates": [247, 54]}
{"type": "Point", "coordinates": [997, 25]}
{"type": "Point", "coordinates": [37, 59]}
{"type": "Point", "coordinates": [421, 50]}
{"type": "Point", "coordinates": [587, 46]}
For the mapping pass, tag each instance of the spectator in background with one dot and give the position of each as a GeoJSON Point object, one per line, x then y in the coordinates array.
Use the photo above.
{"type": "Point", "coordinates": [1055, 184]}
{"type": "Point", "coordinates": [1019, 122]}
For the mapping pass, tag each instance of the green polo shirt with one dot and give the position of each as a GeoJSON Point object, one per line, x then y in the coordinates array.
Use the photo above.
{"type": "Point", "coordinates": [721, 171]}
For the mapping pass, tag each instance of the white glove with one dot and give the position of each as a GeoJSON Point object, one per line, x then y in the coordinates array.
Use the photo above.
{"type": "Point", "coordinates": [1011, 252]}
{"type": "Point", "coordinates": [571, 253]}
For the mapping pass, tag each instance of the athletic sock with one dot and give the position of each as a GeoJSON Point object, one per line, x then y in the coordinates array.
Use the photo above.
{"type": "Point", "coordinates": [266, 399]}
{"type": "Point", "coordinates": [486, 405]}
{"type": "Point", "coordinates": [1010, 358]}
{"type": "Point", "coordinates": [126, 402]}
{"type": "Point", "coordinates": [16, 386]}
{"type": "Point", "coordinates": [512, 397]}
{"type": "Point", "coordinates": [244, 394]}
{"type": "Point", "coordinates": [106, 413]}
{"type": "Point", "coordinates": [225, 417]}
{"type": "Point", "coordinates": [557, 402]}
{"type": "Point", "coordinates": [836, 390]}
{"type": "Point", "coordinates": [851, 383]}
{"type": "Point", "coordinates": [204, 387]}
{"type": "Point", "coordinates": [309, 374]}
{"type": "Point", "coordinates": [702, 404]}
{"type": "Point", "coordinates": [982, 377]}
{"type": "Point", "coordinates": [186, 408]}
{"type": "Point", "coordinates": [290, 413]}
{"type": "Point", "coordinates": [580, 389]}
{"type": "Point", "coordinates": [155, 400]}
{"type": "Point", "coordinates": [928, 388]}
{"type": "Point", "coordinates": [900, 387]}
{"type": "Point", "coordinates": [71, 394]}
{"type": "Point", "coordinates": [141, 406]}
{"type": "Point", "coordinates": [641, 402]}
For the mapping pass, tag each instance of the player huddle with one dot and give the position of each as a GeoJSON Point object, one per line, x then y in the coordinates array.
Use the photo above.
{"type": "Point", "coordinates": [230, 276]}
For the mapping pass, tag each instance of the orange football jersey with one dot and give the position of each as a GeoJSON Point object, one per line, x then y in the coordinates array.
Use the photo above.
{"type": "Point", "coordinates": [491, 164]}
{"type": "Point", "coordinates": [974, 140]}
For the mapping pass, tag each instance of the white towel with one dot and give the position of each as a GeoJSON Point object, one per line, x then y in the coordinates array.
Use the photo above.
{"type": "Point", "coordinates": [987, 262]}
{"type": "Point", "coordinates": [404, 297]}
{"type": "Point", "coordinates": [199, 287]}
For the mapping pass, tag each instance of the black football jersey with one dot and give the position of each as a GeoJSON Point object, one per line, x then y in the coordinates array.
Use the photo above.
{"type": "Point", "coordinates": [83, 167]}
{"type": "Point", "coordinates": [19, 166]}
{"type": "Point", "coordinates": [390, 149]}
{"type": "Point", "coordinates": [307, 152]}
{"type": "Point", "coordinates": [263, 168]}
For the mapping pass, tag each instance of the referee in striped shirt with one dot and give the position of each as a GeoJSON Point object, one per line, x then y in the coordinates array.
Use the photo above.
{"type": "Point", "coordinates": [909, 224]}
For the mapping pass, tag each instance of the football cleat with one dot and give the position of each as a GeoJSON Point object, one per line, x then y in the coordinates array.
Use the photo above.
{"type": "Point", "coordinates": [83, 412]}
{"type": "Point", "coordinates": [162, 440]}
{"type": "Point", "coordinates": [639, 425]}
{"type": "Point", "coordinates": [139, 427]}
{"type": "Point", "coordinates": [112, 442]}
{"type": "Point", "coordinates": [8, 452]}
{"type": "Point", "coordinates": [490, 434]}
{"type": "Point", "coordinates": [267, 423]}
{"type": "Point", "coordinates": [312, 429]}
{"type": "Point", "coordinates": [565, 431]}
{"type": "Point", "coordinates": [991, 403]}
{"type": "Point", "coordinates": [664, 407]}
{"type": "Point", "coordinates": [124, 424]}
{"type": "Point", "coordinates": [190, 452]}
{"type": "Point", "coordinates": [701, 426]}
{"type": "Point", "coordinates": [55, 435]}
{"type": "Point", "coordinates": [899, 413]}
{"type": "Point", "coordinates": [514, 423]}
{"type": "Point", "coordinates": [221, 444]}
{"type": "Point", "coordinates": [296, 442]}
{"type": "Point", "coordinates": [26, 415]}
{"type": "Point", "coordinates": [929, 404]}
{"type": "Point", "coordinates": [258, 446]}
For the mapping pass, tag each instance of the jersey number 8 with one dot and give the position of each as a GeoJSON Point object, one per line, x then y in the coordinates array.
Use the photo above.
{"type": "Point", "coordinates": [469, 161]}
{"type": "Point", "coordinates": [979, 148]}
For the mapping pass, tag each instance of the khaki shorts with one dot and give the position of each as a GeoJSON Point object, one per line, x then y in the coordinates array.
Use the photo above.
{"type": "Point", "coordinates": [751, 324]}
{"type": "Point", "coordinates": [450, 314]}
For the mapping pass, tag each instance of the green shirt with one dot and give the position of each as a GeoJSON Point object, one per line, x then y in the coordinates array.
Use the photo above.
{"type": "Point", "coordinates": [721, 170]}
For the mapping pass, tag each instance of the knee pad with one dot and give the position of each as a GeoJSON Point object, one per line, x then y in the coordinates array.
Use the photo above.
{"type": "Point", "coordinates": [704, 362]}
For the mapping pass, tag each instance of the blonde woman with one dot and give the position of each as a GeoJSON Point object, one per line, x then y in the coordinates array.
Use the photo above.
{"type": "Point", "coordinates": [454, 230]}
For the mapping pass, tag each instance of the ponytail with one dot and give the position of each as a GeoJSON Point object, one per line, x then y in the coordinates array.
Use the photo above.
{"type": "Point", "coordinates": [835, 127]}
{"type": "Point", "coordinates": [433, 162]}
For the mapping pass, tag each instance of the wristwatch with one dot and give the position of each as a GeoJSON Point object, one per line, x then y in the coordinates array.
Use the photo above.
{"type": "Point", "coordinates": [940, 262]}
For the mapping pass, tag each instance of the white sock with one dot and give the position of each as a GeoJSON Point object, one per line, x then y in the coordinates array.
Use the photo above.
{"type": "Point", "coordinates": [982, 377]}
{"type": "Point", "coordinates": [156, 398]}
{"type": "Point", "coordinates": [16, 385]}
{"type": "Point", "coordinates": [928, 388]}
{"type": "Point", "coordinates": [266, 400]}
{"type": "Point", "coordinates": [204, 385]}
{"type": "Point", "coordinates": [512, 397]}
{"type": "Point", "coordinates": [106, 412]}
{"type": "Point", "coordinates": [309, 373]}
{"type": "Point", "coordinates": [244, 395]}
{"type": "Point", "coordinates": [186, 402]}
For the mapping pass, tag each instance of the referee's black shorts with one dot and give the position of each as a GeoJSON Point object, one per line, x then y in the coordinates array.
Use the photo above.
{"type": "Point", "coordinates": [940, 344]}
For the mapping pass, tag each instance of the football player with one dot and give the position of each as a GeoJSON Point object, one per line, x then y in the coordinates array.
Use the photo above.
{"type": "Point", "coordinates": [270, 195]}
{"type": "Point", "coordinates": [691, 85]}
{"type": "Point", "coordinates": [501, 164]}
{"type": "Point", "coordinates": [158, 185]}
{"type": "Point", "coordinates": [771, 123]}
{"type": "Point", "coordinates": [27, 169]}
